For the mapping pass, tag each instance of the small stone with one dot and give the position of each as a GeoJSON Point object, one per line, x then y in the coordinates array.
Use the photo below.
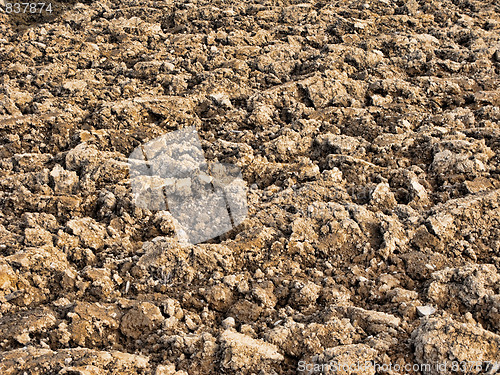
{"type": "Point", "coordinates": [228, 323]}
{"type": "Point", "coordinates": [425, 310]}
{"type": "Point", "coordinates": [496, 55]}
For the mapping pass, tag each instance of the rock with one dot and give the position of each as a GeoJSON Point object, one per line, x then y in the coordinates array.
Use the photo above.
{"type": "Point", "coordinates": [323, 92]}
{"type": "Point", "coordinates": [75, 85]}
{"type": "Point", "coordinates": [477, 185]}
{"type": "Point", "coordinates": [245, 311]}
{"type": "Point", "coordinates": [394, 236]}
{"type": "Point", "coordinates": [222, 100]}
{"type": "Point", "coordinates": [418, 190]}
{"type": "Point", "coordinates": [107, 203]}
{"type": "Point", "coordinates": [470, 287]}
{"type": "Point", "coordinates": [101, 284]}
{"type": "Point", "coordinates": [302, 230]}
{"type": "Point", "coordinates": [341, 144]}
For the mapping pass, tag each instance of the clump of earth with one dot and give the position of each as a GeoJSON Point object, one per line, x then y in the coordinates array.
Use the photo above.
{"type": "Point", "coordinates": [368, 133]}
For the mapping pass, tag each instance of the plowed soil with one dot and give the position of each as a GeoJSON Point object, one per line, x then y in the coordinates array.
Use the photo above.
{"type": "Point", "coordinates": [368, 133]}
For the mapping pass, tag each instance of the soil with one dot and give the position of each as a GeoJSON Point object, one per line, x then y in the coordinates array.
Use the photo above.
{"type": "Point", "coordinates": [368, 133]}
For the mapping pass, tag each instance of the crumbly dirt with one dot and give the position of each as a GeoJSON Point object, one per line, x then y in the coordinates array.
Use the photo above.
{"type": "Point", "coordinates": [368, 133]}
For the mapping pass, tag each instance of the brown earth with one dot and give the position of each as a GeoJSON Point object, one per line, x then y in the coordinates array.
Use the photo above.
{"type": "Point", "coordinates": [368, 133]}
